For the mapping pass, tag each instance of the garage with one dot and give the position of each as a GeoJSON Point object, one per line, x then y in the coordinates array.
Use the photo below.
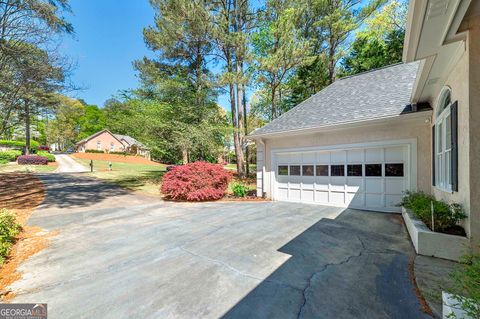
{"type": "Point", "coordinates": [372, 178]}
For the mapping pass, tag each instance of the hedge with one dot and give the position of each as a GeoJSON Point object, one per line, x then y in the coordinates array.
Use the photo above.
{"type": "Point", "coordinates": [94, 151]}
{"type": "Point", "coordinates": [9, 156]}
{"type": "Point", "coordinates": [33, 144]}
{"type": "Point", "coordinates": [32, 160]}
{"type": "Point", "coordinates": [49, 156]}
{"type": "Point", "coordinates": [119, 153]}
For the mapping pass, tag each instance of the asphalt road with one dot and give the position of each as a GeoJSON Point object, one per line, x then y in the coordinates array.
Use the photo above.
{"type": "Point", "coordinates": [123, 255]}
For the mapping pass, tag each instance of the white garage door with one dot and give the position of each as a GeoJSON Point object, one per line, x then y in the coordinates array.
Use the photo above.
{"type": "Point", "coordinates": [365, 178]}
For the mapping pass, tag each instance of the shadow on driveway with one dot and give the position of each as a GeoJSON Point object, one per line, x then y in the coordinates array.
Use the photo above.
{"type": "Point", "coordinates": [355, 266]}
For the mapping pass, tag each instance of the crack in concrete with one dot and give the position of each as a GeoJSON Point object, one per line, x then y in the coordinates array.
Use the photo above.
{"type": "Point", "coordinates": [363, 251]}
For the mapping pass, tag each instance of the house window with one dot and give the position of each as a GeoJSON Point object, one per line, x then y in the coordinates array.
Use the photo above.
{"type": "Point", "coordinates": [322, 170]}
{"type": "Point", "coordinates": [354, 170]}
{"type": "Point", "coordinates": [112, 147]}
{"type": "Point", "coordinates": [373, 170]}
{"type": "Point", "coordinates": [394, 170]}
{"type": "Point", "coordinates": [337, 170]}
{"type": "Point", "coordinates": [443, 142]}
{"type": "Point", "coordinates": [99, 146]}
{"type": "Point", "coordinates": [307, 170]}
{"type": "Point", "coordinates": [294, 170]}
{"type": "Point", "coordinates": [283, 170]}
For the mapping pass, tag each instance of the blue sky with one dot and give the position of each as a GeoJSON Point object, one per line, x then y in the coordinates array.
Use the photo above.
{"type": "Point", "coordinates": [108, 38]}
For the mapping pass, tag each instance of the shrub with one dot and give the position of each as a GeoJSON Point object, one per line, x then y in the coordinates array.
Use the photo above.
{"type": "Point", "coordinates": [9, 156]}
{"type": "Point", "coordinates": [8, 230]}
{"type": "Point", "coordinates": [94, 151]}
{"type": "Point", "coordinates": [33, 144]}
{"type": "Point", "coordinates": [199, 181]}
{"type": "Point", "coordinates": [239, 190]}
{"type": "Point", "coordinates": [119, 153]}
{"type": "Point", "coordinates": [32, 160]}
{"type": "Point", "coordinates": [466, 285]}
{"type": "Point", "coordinates": [445, 215]}
{"type": "Point", "coordinates": [50, 157]}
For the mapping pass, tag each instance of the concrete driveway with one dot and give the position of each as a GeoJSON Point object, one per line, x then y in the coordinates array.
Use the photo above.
{"type": "Point", "coordinates": [121, 255]}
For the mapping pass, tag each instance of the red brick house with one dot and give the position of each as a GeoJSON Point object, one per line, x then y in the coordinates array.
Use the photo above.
{"type": "Point", "coordinates": [108, 142]}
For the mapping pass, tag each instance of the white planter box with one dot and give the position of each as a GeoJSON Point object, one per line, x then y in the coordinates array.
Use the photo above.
{"type": "Point", "coordinates": [433, 244]}
{"type": "Point", "coordinates": [451, 308]}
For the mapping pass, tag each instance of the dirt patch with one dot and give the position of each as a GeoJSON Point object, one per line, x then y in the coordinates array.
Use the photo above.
{"type": "Point", "coordinates": [114, 158]}
{"type": "Point", "coordinates": [423, 303]}
{"type": "Point", "coordinates": [21, 193]}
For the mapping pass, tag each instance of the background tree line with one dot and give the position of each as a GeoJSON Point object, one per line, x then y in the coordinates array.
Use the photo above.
{"type": "Point", "coordinates": [266, 57]}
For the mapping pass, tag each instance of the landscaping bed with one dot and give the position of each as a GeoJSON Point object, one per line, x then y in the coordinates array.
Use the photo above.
{"type": "Point", "coordinates": [20, 194]}
{"type": "Point", "coordinates": [433, 226]}
{"type": "Point", "coordinates": [114, 158]}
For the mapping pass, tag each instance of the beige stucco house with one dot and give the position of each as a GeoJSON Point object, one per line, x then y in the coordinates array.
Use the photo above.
{"type": "Point", "coordinates": [365, 139]}
{"type": "Point", "coordinates": [108, 142]}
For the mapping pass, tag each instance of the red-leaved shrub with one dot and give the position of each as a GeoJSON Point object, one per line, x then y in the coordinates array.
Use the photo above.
{"type": "Point", "coordinates": [32, 160]}
{"type": "Point", "coordinates": [197, 181]}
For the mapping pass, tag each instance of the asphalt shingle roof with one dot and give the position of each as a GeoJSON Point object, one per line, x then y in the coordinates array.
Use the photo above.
{"type": "Point", "coordinates": [374, 94]}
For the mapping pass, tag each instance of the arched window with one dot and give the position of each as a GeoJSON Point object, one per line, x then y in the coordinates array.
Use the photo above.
{"type": "Point", "coordinates": [443, 141]}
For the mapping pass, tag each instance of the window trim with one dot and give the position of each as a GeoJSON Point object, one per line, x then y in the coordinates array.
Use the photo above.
{"type": "Point", "coordinates": [443, 168]}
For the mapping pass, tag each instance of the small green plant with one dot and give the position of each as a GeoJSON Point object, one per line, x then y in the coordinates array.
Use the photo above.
{"type": "Point", "coordinates": [50, 157]}
{"type": "Point", "coordinates": [8, 230]}
{"type": "Point", "coordinates": [9, 156]}
{"type": "Point", "coordinates": [445, 215]}
{"type": "Point", "coordinates": [239, 190]}
{"type": "Point", "coordinates": [466, 285]}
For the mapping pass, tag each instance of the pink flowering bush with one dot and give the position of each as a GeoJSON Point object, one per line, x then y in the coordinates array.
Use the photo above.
{"type": "Point", "coordinates": [197, 181]}
{"type": "Point", "coordinates": [32, 160]}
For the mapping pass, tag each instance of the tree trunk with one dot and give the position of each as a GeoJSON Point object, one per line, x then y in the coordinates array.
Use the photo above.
{"type": "Point", "coordinates": [236, 136]}
{"type": "Point", "coordinates": [247, 155]}
{"type": "Point", "coordinates": [241, 130]}
{"type": "Point", "coordinates": [274, 108]}
{"type": "Point", "coordinates": [27, 129]}
{"type": "Point", "coordinates": [331, 61]}
{"type": "Point", "coordinates": [185, 156]}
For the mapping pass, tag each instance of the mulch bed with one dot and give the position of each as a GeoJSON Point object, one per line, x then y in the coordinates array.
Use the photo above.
{"type": "Point", "coordinates": [114, 158]}
{"type": "Point", "coordinates": [21, 193]}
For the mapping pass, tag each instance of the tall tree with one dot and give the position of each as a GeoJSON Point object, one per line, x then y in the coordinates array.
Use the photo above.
{"type": "Point", "coordinates": [181, 37]}
{"type": "Point", "coordinates": [278, 50]}
{"type": "Point", "coordinates": [380, 43]}
{"type": "Point", "coordinates": [230, 25]}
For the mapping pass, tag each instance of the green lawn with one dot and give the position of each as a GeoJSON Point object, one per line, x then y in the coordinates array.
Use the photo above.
{"type": "Point", "coordinates": [138, 177]}
{"type": "Point", "coordinates": [233, 167]}
{"type": "Point", "coordinates": [15, 168]}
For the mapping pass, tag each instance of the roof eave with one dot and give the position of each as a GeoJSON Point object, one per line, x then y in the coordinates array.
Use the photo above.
{"type": "Point", "coordinates": [345, 125]}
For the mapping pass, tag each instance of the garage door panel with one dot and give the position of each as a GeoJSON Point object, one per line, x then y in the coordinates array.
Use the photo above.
{"type": "Point", "coordinates": [282, 193]}
{"type": "Point", "coordinates": [294, 194]}
{"type": "Point", "coordinates": [393, 154]}
{"type": "Point", "coordinates": [355, 156]}
{"type": "Point", "coordinates": [338, 156]}
{"type": "Point", "coordinates": [337, 183]}
{"type": "Point", "coordinates": [308, 195]}
{"type": "Point", "coordinates": [321, 196]}
{"type": "Point", "coordinates": [374, 155]}
{"type": "Point", "coordinates": [356, 199]}
{"type": "Point", "coordinates": [393, 200]}
{"type": "Point", "coordinates": [323, 157]}
{"type": "Point", "coordinates": [355, 184]}
{"type": "Point", "coordinates": [296, 158]}
{"type": "Point", "coordinates": [374, 185]}
{"type": "Point", "coordinates": [374, 200]}
{"type": "Point", "coordinates": [308, 158]}
{"type": "Point", "coordinates": [394, 185]}
{"type": "Point", "coordinates": [337, 197]}
{"type": "Point", "coordinates": [308, 184]}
